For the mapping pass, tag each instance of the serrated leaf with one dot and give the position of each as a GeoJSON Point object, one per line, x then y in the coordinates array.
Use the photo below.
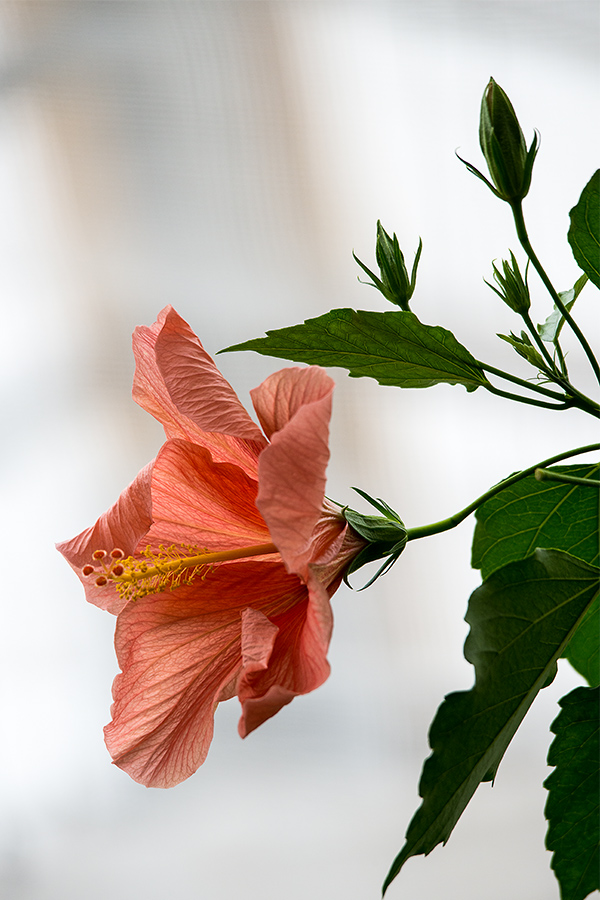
{"type": "Point", "coordinates": [395, 348]}
{"type": "Point", "coordinates": [584, 232]}
{"type": "Point", "coordinates": [552, 327]}
{"type": "Point", "coordinates": [572, 808]}
{"type": "Point", "coordinates": [530, 514]}
{"type": "Point", "coordinates": [521, 619]}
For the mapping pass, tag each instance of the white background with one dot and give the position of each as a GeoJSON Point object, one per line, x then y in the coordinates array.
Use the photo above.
{"type": "Point", "coordinates": [227, 157]}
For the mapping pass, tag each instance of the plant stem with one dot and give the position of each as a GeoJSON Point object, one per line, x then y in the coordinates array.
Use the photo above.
{"type": "Point", "coordinates": [560, 378]}
{"type": "Point", "coordinates": [446, 524]}
{"type": "Point", "coordinates": [561, 358]}
{"type": "Point", "coordinates": [547, 475]}
{"type": "Point", "coordinates": [530, 400]}
{"type": "Point", "coordinates": [576, 397]}
{"type": "Point", "coordinates": [520, 381]}
{"type": "Point", "coordinates": [517, 209]}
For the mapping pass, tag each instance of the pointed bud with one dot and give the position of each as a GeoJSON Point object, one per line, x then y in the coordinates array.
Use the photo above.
{"type": "Point", "coordinates": [394, 283]}
{"type": "Point", "coordinates": [509, 161]}
{"type": "Point", "coordinates": [503, 145]}
{"type": "Point", "coordinates": [513, 288]}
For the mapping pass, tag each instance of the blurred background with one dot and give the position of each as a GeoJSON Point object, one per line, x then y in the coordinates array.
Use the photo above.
{"type": "Point", "coordinates": [226, 158]}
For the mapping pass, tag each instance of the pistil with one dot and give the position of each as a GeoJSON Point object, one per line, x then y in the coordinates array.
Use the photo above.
{"type": "Point", "coordinates": [167, 569]}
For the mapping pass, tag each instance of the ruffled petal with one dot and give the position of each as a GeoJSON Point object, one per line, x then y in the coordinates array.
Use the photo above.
{"type": "Point", "coordinates": [288, 658]}
{"type": "Point", "coordinates": [196, 386]}
{"type": "Point", "coordinates": [123, 526]}
{"type": "Point", "coordinates": [179, 653]}
{"type": "Point", "coordinates": [178, 383]}
{"type": "Point", "coordinates": [292, 468]}
{"type": "Point", "coordinates": [282, 394]}
{"type": "Point", "coordinates": [201, 502]}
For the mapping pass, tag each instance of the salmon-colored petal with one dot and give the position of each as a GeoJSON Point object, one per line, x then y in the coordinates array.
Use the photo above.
{"type": "Point", "coordinates": [203, 503]}
{"type": "Point", "coordinates": [149, 388]}
{"type": "Point", "coordinates": [291, 475]}
{"type": "Point", "coordinates": [196, 386]}
{"type": "Point", "coordinates": [281, 395]}
{"type": "Point", "coordinates": [123, 526]}
{"type": "Point", "coordinates": [183, 414]}
{"type": "Point", "coordinates": [178, 653]}
{"type": "Point", "coordinates": [289, 656]}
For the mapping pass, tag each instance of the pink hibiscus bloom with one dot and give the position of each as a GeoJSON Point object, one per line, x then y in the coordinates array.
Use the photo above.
{"type": "Point", "coordinates": [219, 560]}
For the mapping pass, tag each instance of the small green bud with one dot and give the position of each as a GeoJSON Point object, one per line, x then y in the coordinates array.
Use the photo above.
{"type": "Point", "coordinates": [394, 283]}
{"type": "Point", "coordinates": [509, 161]}
{"type": "Point", "coordinates": [513, 288]}
{"type": "Point", "coordinates": [525, 348]}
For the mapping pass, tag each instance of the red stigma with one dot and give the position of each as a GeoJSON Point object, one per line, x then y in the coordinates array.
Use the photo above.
{"type": "Point", "coordinates": [117, 553]}
{"type": "Point", "coordinates": [87, 570]}
{"type": "Point", "coordinates": [98, 554]}
{"type": "Point", "coordinates": [101, 580]}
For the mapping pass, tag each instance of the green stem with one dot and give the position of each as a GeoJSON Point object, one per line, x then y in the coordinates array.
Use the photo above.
{"type": "Point", "coordinates": [559, 378]}
{"type": "Point", "coordinates": [446, 524]}
{"type": "Point", "coordinates": [529, 400]}
{"type": "Point", "coordinates": [561, 358]}
{"type": "Point", "coordinates": [520, 381]}
{"type": "Point", "coordinates": [517, 209]}
{"type": "Point", "coordinates": [547, 475]}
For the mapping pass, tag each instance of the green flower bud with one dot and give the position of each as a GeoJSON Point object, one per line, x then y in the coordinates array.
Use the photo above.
{"type": "Point", "coordinates": [513, 288]}
{"type": "Point", "coordinates": [525, 348]}
{"type": "Point", "coordinates": [509, 161]}
{"type": "Point", "coordinates": [394, 284]}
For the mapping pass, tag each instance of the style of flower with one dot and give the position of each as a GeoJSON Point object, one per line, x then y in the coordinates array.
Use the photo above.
{"type": "Point", "coordinates": [219, 560]}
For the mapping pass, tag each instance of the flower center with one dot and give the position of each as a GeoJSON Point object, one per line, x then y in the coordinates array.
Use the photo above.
{"type": "Point", "coordinates": [164, 570]}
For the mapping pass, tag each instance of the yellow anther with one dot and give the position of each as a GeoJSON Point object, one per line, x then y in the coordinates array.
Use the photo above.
{"type": "Point", "coordinates": [169, 568]}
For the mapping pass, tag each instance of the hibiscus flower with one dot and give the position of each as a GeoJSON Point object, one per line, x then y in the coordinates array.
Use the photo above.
{"type": "Point", "coordinates": [219, 560]}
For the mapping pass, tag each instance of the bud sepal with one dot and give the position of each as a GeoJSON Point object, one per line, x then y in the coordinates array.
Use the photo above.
{"type": "Point", "coordinates": [386, 534]}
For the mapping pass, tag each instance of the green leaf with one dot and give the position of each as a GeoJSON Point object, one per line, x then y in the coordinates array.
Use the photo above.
{"type": "Point", "coordinates": [395, 348]}
{"type": "Point", "coordinates": [531, 514]}
{"type": "Point", "coordinates": [572, 808]}
{"type": "Point", "coordinates": [583, 650]}
{"type": "Point", "coordinates": [552, 327]}
{"type": "Point", "coordinates": [584, 233]}
{"type": "Point", "coordinates": [521, 619]}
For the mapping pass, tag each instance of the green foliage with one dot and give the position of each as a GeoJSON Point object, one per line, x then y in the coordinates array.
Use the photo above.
{"type": "Point", "coordinates": [583, 650]}
{"type": "Point", "coordinates": [572, 808]}
{"type": "Point", "coordinates": [551, 328]}
{"type": "Point", "coordinates": [531, 514]}
{"type": "Point", "coordinates": [395, 348]}
{"type": "Point", "coordinates": [521, 619]}
{"type": "Point", "coordinates": [584, 233]}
